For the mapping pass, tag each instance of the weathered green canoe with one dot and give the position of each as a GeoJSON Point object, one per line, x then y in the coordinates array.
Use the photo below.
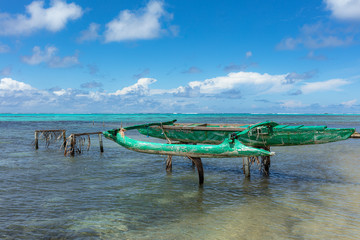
{"type": "Point", "coordinates": [257, 135]}
{"type": "Point", "coordinates": [229, 148]}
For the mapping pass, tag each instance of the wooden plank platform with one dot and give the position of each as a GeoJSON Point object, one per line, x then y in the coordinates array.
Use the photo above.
{"type": "Point", "coordinates": [355, 135]}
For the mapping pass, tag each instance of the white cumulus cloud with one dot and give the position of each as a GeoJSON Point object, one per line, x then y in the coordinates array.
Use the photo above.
{"type": "Point", "coordinates": [144, 24]}
{"type": "Point", "coordinates": [140, 88]}
{"type": "Point", "coordinates": [344, 9]}
{"type": "Point", "coordinates": [61, 92]}
{"type": "Point", "coordinates": [9, 84]}
{"type": "Point", "coordinates": [37, 17]}
{"type": "Point", "coordinates": [237, 80]}
{"type": "Point", "coordinates": [329, 85]}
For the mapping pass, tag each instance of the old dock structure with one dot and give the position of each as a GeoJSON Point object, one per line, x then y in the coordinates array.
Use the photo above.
{"type": "Point", "coordinates": [50, 136]}
{"type": "Point", "coordinates": [72, 144]}
{"type": "Point", "coordinates": [77, 140]}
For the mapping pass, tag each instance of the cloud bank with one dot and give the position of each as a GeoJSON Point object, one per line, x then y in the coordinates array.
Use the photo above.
{"type": "Point", "coordinates": [142, 97]}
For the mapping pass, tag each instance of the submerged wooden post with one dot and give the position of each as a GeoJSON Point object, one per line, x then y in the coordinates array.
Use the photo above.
{"type": "Point", "coordinates": [101, 143]}
{"type": "Point", "coordinates": [36, 140]}
{"type": "Point", "coordinates": [169, 164]}
{"type": "Point", "coordinates": [199, 166]}
{"type": "Point", "coordinates": [73, 143]}
{"type": "Point", "coordinates": [64, 139]}
{"type": "Point", "coordinates": [246, 166]}
{"type": "Point", "coordinates": [265, 162]}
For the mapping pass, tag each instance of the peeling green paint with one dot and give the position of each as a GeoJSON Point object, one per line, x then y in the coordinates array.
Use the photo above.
{"type": "Point", "coordinates": [258, 135]}
{"type": "Point", "coordinates": [231, 140]}
{"type": "Point", "coordinates": [227, 149]}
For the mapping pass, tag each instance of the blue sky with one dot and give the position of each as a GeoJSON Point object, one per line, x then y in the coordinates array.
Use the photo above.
{"type": "Point", "coordinates": [265, 56]}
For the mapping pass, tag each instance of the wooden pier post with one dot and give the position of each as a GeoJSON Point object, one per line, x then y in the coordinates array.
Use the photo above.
{"type": "Point", "coordinates": [169, 164]}
{"type": "Point", "coordinates": [265, 163]}
{"type": "Point", "coordinates": [246, 166]}
{"type": "Point", "coordinates": [73, 143]}
{"type": "Point", "coordinates": [36, 140]}
{"type": "Point", "coordinates": [199, 166]}
{"type": "Point", "coordinates": [101, 143]}
{"type": "Point", "coordinates": [64, 139]}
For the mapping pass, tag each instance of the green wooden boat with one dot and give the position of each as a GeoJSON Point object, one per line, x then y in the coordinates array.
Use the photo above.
{"type": "Point", "coordinates": [224, 140]}
{"type": "Point", "coordinates": [263, 134]}
{"type": "Point", "coordinates": [229, 147]}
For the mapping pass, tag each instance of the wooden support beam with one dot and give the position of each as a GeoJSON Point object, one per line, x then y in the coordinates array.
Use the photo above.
{"type": "Point", "coordinates": [82, 134]}
{"type": "Point", "coordinates": [199, 128]}
{"type": "Point", "coordinates": [355, 135]}
{"type": "Point", "coordinates": [199, 166]}
{"type": "Point", "coordinates": [246, 166]}
{"type": "Point", "coordinates": [169, 164]}
{"type": "Point", "coordinates": [64, 139]}
{"type": "Point", "coordinates": [36, 140]}
{"type": "Point", "coordinates": [57, 130]}
{"type": "Point", "coordinates": [265, 162]}
{"type": "Point", "coordinates": [100, 143]}
{"type": "Point", "coordinates": [73, 144]}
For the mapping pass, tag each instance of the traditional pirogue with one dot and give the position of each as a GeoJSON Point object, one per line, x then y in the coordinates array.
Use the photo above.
{"type": "Point", "coordinates": [229, 147]}
{"type": "Point", "coordinates": [197, 141]}
{"type": "Point", "coordinates": [263, 134]}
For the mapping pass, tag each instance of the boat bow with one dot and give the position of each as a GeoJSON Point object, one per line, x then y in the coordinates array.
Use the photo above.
{"type": "Point", "coordinates": [227, 149]}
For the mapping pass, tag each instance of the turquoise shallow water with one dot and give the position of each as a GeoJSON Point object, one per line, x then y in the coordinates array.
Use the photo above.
{"type": "Point", "coordinates": [312, 192]}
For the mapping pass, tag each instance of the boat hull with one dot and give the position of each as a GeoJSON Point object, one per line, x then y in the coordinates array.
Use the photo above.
{"type": "Point", "coordinates": [272, 134]}
{"type": "Point", "coordinates": [227, 149]}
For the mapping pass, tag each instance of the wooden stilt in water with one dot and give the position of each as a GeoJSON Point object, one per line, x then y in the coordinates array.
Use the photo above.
{"type": "Point", "coordinates": [36, 140]}
{"type": "Point", "coordinates": [265, 163]}
{"type": "Point", "coordinates": [199, 166]}
{"type": "Point", "coordinates": [64, 139]}
{"type": "Point", "coordinates": [192, 162]}
{"type": "Point", "coordinates": [169, 164]}
{"type": "Point", "coordinates": [246, 166]}
{"type": "Point", "coordinates": [73, 143]}
{"type": "Point", "coordinates": [101, 143]}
